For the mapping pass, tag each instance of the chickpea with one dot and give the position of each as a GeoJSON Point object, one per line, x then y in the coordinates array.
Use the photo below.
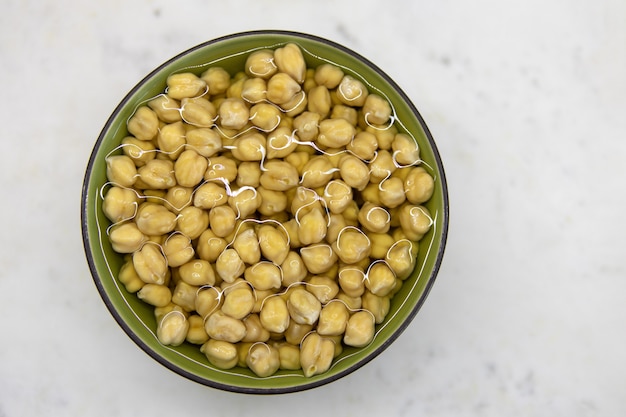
{"type": "Point", "coordinates": [221, 168]}
{"type": "Point", "coordinates": [353, 303]}
{"type": "Point", "coordinates": [298, 160]}
{"type": "Point", "coordinates": [351, 91]}
{"type": "Point", "coordinates": [380, 279]}
{"type": "Point", "coordinates": [233, 113]}
{"type": "Point", "coordinates": [317, 172]}
{"type": "Point", "coordinates": [154, 294]}
{"type": "Point", "coordinates": [401, 258]}
{"type": "Point", "coordinates": [384, 137]}
{"type": "Point", "coordinates": [289, 60]}
{"type": "Point", "coordinates": [323, 288]}
{"type": "Point", "coordinates": [171, 140]}
{"type": "Point", "coordinates": [263, 276]}
{"type": "Point", "coordinates": [378, 306]}
{"type": "Point", "coordinates": [316, 354]}
{"type": "Point", "coordinates": [418, 186]}
{"type": "Point", "coordinates": [293, 269]}
{"type": "Point", "coordinates": [204, 141]}
{"type": "Point", "coordinates": [303, 201]}
{"type": "Point", "coordinates": [347, 113]}
{"type": "Point", "coordinates": [319, 101]}
{"type": "Point", "coordinates": [261, 64]}
{"type": "Point", "coordinates": [236, 87]}
{"type": "Point", "coordinates": [337, 195]}
{"type": "Point", "coordinates": [265, 116]}
{"type": "Point", "coordinates": [140, 151]}
{"type": "Point", "coordinates": [391, 192]}
{"type": "Point", "coordinates": [296, 332]}
{"type": "Point", "coordinates": [248, 174]}
{"type": "Point", "coordinates": [406, 151]}
{"type": "Point", "coordinates": [272, 202]}
{"type": "Point", "coordinates": [260, 298]}
{"type": "Point", "coordinates": [242, 352]}
{"type": "Point", "coordinates": [380, 243]}
{"type": "Point", "coordinates": [335, 133]}
{"type": "Point", "coordinates": [244, 201]}
{"type": "Point", "coordinates": [150, 264]}
{"type": "Point", "coordinates": [274, 315]}
{"type": "Point", "coordinates": [154, 219]}
{"type": "Point", "coordinates": [250, 147]}
{"type": "Point", "coordinates": [328, 75]}
{"type": "Point", "coordinates": [354, 172]}
{"type": "Point", "coordinates": [176, 198]}
{"type": "Point", "coordinates": [121, 170]}
{"type": "Point", "coordinates": [178, 250]}
{"type": "Point", "coordinates": [254, 90]}
{"type": "Point", "coordinates": [208, 301]}
{"type": "Point", "coordinates": [371, 194]}
{"type": "Point", "coordinates": [229, 265]}
{"type": "Point", "coordinates": [184, 295]}
{"type": "Point", "coordinates": [239, 302]}
{"type": "Point", "coordinates": [144, 124]}
{"type": "Point", "coordinates": [189, 168]}
{"type": "Point", "coordinates": [359, 329]}
{"type": "Point", "coordinates": [382, 166]}
{"type": "Point", "coordinates": [128, 276]}
{"type": "Point", "coordinates": [313, 227]}
{"type": "Point", "coordinates": [415, 221]}
{"type": "Point", "coordinates": [289, 356]}
{"type": "Point", "coordinates": [246, 244]}
{"type": "Point", "coordinates": [198, 111]}
{"type": "Point", "coordinates": [306, 125]}
{"type": "Point", "coordinates": [219, 326]}
{"type": "Point", "coordinates": [210, 246]}
{"type": "Point", "coordinates": [172, 328]}
{"type": "Point", "coordinates": [192, 222]}
{"type": "Point", "coordinates": [318, 258]}
{"type": "Point", "coordinates": [352, 245]}
{"type": "Point", "coordinates": [222, 220]}
{"type": "Point", "coordinates": [296, 105]}
{"type": "Point", "coordinates": [196, 333]}
{"type": "Point", "coordinates": [255, 332]}
{"type": "Point", "coordinates": [376, 110]}
{"type": "Point", "coordinates": [279, 176]}
{"type": "Point", "coordinates": [120, 204]}
{"type": "Point", "coordinates": [281, 143]}
{"type": "Point", "coordinates": [282, 89]}
{"type": "Point", "coordinates": [374, 218]}
{"type": "Point", "coordinates": [185, 85]}
{"type": "Point", "coordinates": [166, 108]}
{"type": "Point", "coordinates": [220, 353]}
{"type": "Point", "coordinates": [352, 281]}
{"type": "Point", "coordinates": [363, 146]}
{"type": "Point", "coordinates": [336, 224]}
{"type": "Point", "coordinates": [157, 174]}
{"type": "Point", "coordinates": [303, 306]}
{"type": "Point", "coordinates": [263, 359]}
{"type": "Point", "coordinates": [197, 272]}
{"type": "Point", "coordinates": [273, 243]}
{"type": "Point", "coordinates": [217, 80]}
{"type": "Point", "coordinates": [333, 319]}
{"type": "Point", "coordinates": [210, 195]}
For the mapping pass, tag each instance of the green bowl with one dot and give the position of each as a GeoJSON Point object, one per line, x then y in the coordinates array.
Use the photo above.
{"type": "Point", "coordinates": [136, 318]}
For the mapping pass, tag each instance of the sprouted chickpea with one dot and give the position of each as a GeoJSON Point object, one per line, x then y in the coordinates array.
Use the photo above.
{"type": "Point", "coordinates": [268, 215]}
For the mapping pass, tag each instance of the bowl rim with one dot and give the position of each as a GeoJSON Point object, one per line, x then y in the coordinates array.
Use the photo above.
{"type": "Point", "coordinates": [292, 388]}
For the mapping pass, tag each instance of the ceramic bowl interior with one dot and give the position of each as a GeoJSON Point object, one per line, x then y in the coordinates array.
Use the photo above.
{"type": "Point", "coordinates": [136, 318]}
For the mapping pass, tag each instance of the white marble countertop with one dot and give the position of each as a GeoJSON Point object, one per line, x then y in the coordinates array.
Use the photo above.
{"type": "Point", "coordinates": [527, 102]}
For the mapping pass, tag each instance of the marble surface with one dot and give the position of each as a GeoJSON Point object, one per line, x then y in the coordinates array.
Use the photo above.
{"type": "Point", "coordinates": [526, 100]}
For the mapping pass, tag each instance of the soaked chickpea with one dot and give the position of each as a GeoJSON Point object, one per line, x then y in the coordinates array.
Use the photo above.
{"type": "Point", "coordinates": [269, 216]}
